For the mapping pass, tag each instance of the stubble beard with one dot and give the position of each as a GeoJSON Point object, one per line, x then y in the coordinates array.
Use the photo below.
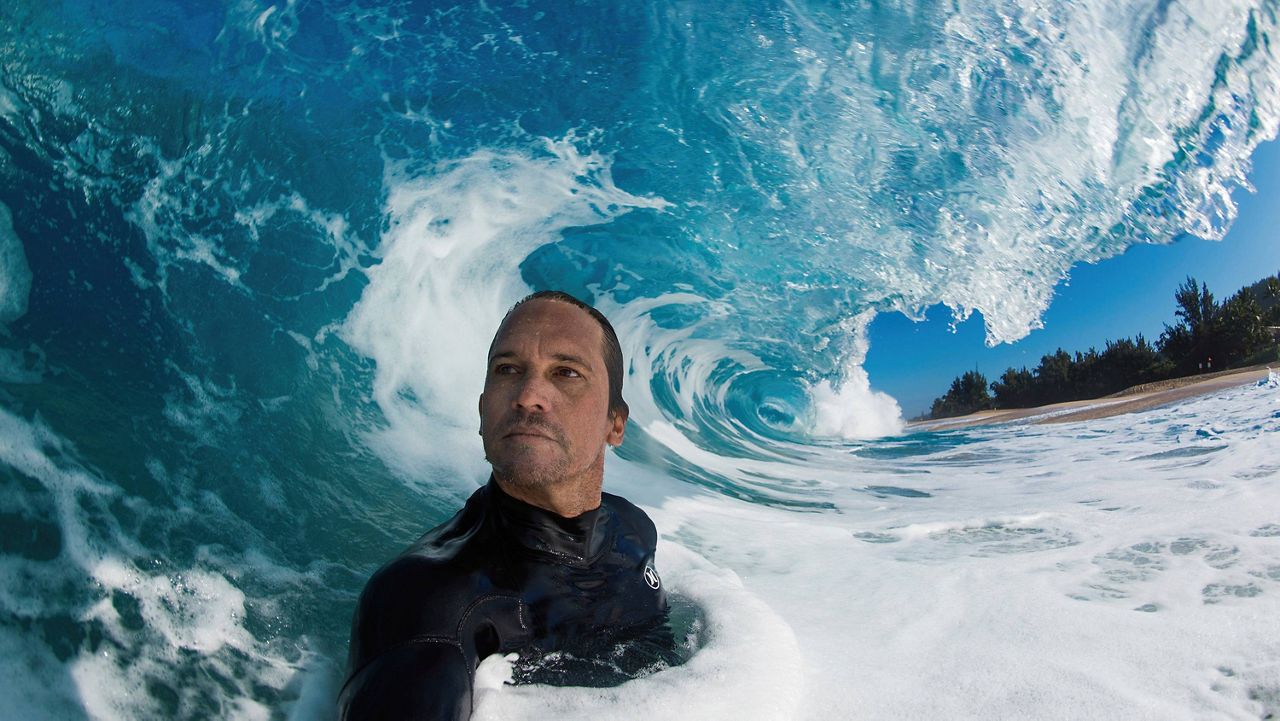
{"type": "Point", "coordinates": [515, 464]}
{"type": "Point", "coordinates": [518, 469]}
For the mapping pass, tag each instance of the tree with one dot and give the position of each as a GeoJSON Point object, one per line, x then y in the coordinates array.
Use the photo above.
{"type": "Point", "coordinates": [1087, 376]}
{"type": "Point", "coordinates": [1196, 308]}
{"type": "Point", "coordinates": [1015, 389]}
{"type": "Point", "coordinates": [1267, 292]}
{"type": "Point", "coordinates": [1177, 344]}
{"type": "Point", "coordinates": [1127, 363]}
{"type": "Point", "coordinates": [1053, 377]}
{"type": "Point", "coordinates": [1191, 341]}
{"type": "Point", "coordinates": [967, 394]}
{"type": "Point", "coordinates": [1239, 330]}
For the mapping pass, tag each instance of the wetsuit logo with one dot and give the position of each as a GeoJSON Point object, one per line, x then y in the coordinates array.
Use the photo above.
{"type": "Point", "coordinates": [651, 577]}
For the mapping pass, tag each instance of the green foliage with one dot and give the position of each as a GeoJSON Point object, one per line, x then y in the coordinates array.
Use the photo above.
{"type": "Point", "coordinates": [1053, 376]}
{"type": "Point", "coordinates": [1063, 377]}
{"type": "Point", "coordinates": [1016, 389]}
{"type": "Point", "coordinates": [1267, 293]}
{"type": "Point", "coordinates": [1208, 335]}
{"type": "Point", "coordinates": [1130, 362]}
{"type": "Point", "coordinates": [1270, 355]}
{"type": "Point", "coordinates": [1205, 336]}
{"type": "Point", "coordinates": [1239, 331]}
{"type": "Point", "coordinates": [1190, 341]}
{"type": "Point", "coordinates": [967, 394]}
{"type": "Point", "coordinates": [1196, 309]}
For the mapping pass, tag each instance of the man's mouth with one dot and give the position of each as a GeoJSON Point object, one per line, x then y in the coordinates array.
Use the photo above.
{"type": "Point", "coordinates": [532, 426]}
{"type": "Point", "coordinates": [529, 433]}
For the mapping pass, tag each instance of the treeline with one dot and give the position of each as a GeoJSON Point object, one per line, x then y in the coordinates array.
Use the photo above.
{"type": "Point", "coordinates": [1205, 336]}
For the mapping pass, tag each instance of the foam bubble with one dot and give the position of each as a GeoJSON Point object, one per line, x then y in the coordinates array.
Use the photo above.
{"type": "Point", "coordinates": [15, 275]}
{"type": "Point", "coordinates": [15, 367]}
{"type": "Point", "coordinates": [10, 105]}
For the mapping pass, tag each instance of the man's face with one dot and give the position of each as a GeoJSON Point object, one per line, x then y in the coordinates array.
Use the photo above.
{"type": "Point", "coordinates": [544, 412]}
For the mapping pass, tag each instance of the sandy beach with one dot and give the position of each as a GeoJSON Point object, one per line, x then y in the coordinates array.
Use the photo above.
{"type": "Point", "coordinates": [1130, 400]}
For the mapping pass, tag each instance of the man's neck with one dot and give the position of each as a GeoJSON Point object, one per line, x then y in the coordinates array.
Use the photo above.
{"type": "Point", "coordinates": [563, 499]}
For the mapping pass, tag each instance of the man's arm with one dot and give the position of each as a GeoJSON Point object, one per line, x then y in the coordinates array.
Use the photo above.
{"type": "Point", "coordinates": [406, 659]}
{"type": "Point", "coordinates": [420, 629]}
{"type": "Point", "coordinates": [425, 680]}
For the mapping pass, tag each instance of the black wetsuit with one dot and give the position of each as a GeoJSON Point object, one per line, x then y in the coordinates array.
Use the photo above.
{"type": "Point", "coordinates": [500, 576]}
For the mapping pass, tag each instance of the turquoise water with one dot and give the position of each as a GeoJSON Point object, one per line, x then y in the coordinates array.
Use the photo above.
{"type": "Point", "coordinates": [253, 253]}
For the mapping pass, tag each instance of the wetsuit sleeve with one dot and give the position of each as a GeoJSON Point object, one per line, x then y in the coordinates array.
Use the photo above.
{"type": "Point", "coordinates": [407, 661]}
{"type": "Point", "coordinates": [421, 681]}
{"type": "Point", "coordinates": [418, 633]}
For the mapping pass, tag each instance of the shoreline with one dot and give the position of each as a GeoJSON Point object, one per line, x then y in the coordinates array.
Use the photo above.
{"type": "Point", "coordinates": [1131, 400]}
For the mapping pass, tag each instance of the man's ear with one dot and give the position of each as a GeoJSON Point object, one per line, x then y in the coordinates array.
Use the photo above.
{"type": "Point", "coordinates": [617, 426]}
{"type": "Point", "coordinates": [480, 412]}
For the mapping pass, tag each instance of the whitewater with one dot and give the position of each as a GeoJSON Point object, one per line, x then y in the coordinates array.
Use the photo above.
{"type": "Point", "coordinates": [252, 255]}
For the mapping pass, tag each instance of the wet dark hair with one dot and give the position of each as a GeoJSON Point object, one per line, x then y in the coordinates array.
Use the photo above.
{"type": "Point", "coordinates": [611, 349]}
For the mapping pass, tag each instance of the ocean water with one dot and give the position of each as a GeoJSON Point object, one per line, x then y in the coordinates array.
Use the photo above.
{"type": "Point", "coordinates": [252, 254]}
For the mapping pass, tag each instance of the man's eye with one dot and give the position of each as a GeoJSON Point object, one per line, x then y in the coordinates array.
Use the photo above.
{"type": "Point", "coordinates": [569, 373]}
{"type": "Point", "coordinates": [505, 369]}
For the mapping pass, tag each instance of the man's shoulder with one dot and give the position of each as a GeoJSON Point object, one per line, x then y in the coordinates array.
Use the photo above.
{"type": "Point", "coordinates": [632, 518]}
{"type": "Point", "coordinates": [438, 568]}
{"type": "Point", "coordinates": [424, 592]}
{"type": "Point", "coordinates": [414, 574]}
{"type": "Point", "coordinates": [414, 595]}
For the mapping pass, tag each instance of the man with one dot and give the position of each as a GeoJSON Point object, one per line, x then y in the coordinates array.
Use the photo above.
{"type": "Point", "coordinates": [539, 559]}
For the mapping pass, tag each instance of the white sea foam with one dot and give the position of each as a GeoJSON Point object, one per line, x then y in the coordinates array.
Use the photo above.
{"type": "Point", "coordinates": [10, 105]}
{"type": "Point", "coordinates": [163, 213]}
{"type": "Point", "coordinates": [184, 621]}
{"type": "Point", "coordinates": [853, 410]}
{"type": "Point", "coordinates": [333, 228]}
{"type": "Point", "coordinates": [748, 665]}
{"type": "Point", "coordinates": [1122, 568]}
{"type": "Point", "coordinates": [15, 368]}
{"type": "Point", "coordinates": [15, 274]}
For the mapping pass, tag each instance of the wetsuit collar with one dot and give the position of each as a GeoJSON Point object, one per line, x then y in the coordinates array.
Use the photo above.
{"type": "Point", "coordinates": [577, 541]}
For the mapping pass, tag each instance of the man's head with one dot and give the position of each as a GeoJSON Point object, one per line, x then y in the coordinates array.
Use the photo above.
{"type": "Point", "coordinates": [552, 395]}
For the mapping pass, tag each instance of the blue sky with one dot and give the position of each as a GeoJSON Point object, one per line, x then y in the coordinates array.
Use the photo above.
{"type": "Point", "coordinates": [1122, 296]}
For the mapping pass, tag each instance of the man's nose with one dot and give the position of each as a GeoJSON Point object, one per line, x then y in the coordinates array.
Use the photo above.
{"type": "Point", "coordinates": [531, 395]}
